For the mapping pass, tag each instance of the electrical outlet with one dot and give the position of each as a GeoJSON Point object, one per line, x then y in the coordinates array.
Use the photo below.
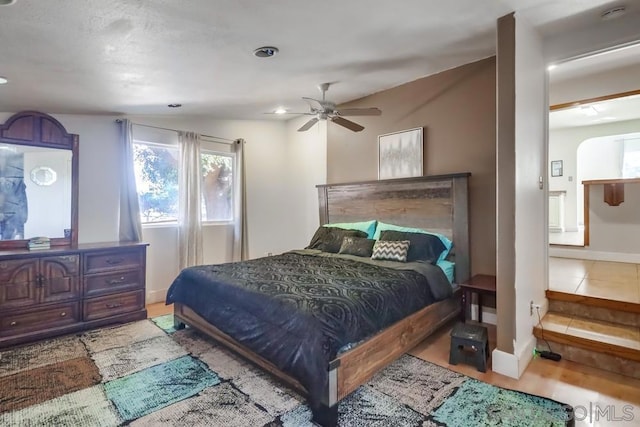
{"type": "Point", "coordinates": [533, 306]}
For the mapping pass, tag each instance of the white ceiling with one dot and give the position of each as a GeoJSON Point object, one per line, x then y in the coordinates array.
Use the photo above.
{"type": "Point", "coordinates": [135, 57]}
{"type": "Point", "coordinates": [609, 111]}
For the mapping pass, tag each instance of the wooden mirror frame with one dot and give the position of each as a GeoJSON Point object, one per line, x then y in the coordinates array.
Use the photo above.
{"type": "Point", "coordinates": [41, 130]}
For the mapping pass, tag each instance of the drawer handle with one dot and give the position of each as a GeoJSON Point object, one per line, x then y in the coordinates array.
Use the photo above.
{"type": "Point", "coordinates": [64, 313]}
{"type": "Point", "coordinates": [116, 281]}
{"type": "Point", "coordinates": [114, 261]}
{"type": "Point", "coordinates": [13, 324]}
{"type": "Point", "coordinates": [114, 305]}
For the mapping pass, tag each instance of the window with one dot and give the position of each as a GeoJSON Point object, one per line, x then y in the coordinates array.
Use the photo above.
{"type": "Point", "coordinates": [217, 186]}
{"type": "Point", "coordinates": [631, 158]}
{"type": "Point", "coordinates": [156, 168]}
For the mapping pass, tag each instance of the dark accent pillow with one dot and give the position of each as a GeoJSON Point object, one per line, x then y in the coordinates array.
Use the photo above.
{"type": "Point", "coordinates": [329, 239]}
{"type": "Point", "coordinates": [391, 250]}
{"type": "Point", "coordinates": [424, 247]}
{"type": "Point", "coordinates": [358, 246]}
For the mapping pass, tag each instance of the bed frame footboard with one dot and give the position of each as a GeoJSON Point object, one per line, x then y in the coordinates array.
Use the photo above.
{"type": "Point", "coordinates": [351, 369]}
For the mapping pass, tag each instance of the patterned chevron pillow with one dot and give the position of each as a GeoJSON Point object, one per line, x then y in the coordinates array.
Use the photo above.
{"type": "Point", "coordinates": [391, 250]}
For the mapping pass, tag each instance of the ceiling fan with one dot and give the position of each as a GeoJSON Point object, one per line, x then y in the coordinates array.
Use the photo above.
{"type": "Point", "coordinates": [326, 110]}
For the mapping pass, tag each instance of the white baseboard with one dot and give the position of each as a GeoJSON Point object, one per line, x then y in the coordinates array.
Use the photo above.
{"type": "Point", "coordinates": [156, 295]}
{"type": "Point", "coordinates": [505, 363]}
{"type": "Point", "coordinates": [584, 253]}
{"type": "Point", "coordinates": [526, 355]}
{"type": "Point", "coordinates": [513, 365]}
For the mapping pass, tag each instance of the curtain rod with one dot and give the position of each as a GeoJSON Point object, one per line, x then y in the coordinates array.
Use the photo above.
{"type": "Point", "coordinates": [226, 140]}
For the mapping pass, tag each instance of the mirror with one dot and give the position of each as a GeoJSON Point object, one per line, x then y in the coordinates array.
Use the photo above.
{"type": "Point", "coordinates": [38, 188]}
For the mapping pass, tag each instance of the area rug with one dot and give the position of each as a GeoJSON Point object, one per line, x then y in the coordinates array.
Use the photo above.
{"type": "Point", "coordinates": [147, 374]}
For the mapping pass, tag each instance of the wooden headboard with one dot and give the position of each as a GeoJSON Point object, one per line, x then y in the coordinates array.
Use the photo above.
{"type": "Point", "coordinates": [436, 203]}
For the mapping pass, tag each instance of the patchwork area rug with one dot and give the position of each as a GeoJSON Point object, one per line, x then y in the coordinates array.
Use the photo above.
{"type": "Point", "coordinates": [148, 374]}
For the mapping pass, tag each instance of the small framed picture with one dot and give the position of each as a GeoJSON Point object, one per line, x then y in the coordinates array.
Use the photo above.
{"type": "Point", "coordinates": [556, 168]}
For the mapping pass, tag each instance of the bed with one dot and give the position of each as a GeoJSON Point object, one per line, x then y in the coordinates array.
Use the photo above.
{"type": "Point", "coordinates": [263, 311]}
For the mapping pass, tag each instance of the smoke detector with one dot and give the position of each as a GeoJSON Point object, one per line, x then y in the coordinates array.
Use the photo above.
{"type": "Point", "coordinates": [613, 13]}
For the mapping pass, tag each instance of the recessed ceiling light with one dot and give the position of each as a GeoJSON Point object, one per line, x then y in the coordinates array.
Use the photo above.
{"type": "Point", "coordinates": [7, 2]}
{"type": "Point", "coordinates": [266, 51]}
{"type": "Point", "coordinates": [3, 80]}
{"type": "Point", "coordinates": [552, 67]}
{"type": "Point", "coordinates": [613, 13]}
{"type": "Point", "coordinates": [174, 105]}
{"type": "Point", "coordinates": [280, 110]}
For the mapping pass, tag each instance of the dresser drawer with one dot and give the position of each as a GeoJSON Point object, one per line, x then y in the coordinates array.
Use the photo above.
{"type": "Point", "coordinates": [108, 283]}
{"type": "Point", "coordinates": [40, 319]}
{"type": "Point", "coordinates": [98, 262]}
{"type": "Point", "coordinates": [111, 305]}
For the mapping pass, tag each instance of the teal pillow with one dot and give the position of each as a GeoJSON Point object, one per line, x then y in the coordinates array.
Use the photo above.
{"type": "Point", "coordinates": [368, 227]}
{"type": "Point", "coordinates": [382, 226]}
{"type": "Point", "coordinates": [449, 269]}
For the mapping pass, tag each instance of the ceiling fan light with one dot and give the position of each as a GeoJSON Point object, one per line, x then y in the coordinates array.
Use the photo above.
{"type": "Point", "coordinates": [280, 110]}
{"type": "Point", "coordinates": [3, 80]}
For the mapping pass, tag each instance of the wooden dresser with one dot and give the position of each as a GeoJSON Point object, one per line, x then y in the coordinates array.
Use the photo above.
{"type": "Point", "coordinates": [69, 289]}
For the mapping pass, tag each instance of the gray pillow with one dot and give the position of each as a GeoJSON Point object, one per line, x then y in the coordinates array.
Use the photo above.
{"type": "Point", "coordinates": [358, 246]}
{"type": "Point", "coordinates": [329, 239]}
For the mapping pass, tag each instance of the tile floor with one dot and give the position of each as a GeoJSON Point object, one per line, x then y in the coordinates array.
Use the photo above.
{"type": "Point", "coordinates": [610, 333]}
{"type": "Point", "coordinates": [611, 280]}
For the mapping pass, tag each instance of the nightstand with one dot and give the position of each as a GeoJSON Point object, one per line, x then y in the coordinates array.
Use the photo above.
{"type": "Point", "coordinates": [480, 284]}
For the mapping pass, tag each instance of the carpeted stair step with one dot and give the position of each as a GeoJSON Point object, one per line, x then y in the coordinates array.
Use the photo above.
{"type": "Point", "coordinates": [606, 345]}
{"type": "Point", "coordinates": [607, 310]}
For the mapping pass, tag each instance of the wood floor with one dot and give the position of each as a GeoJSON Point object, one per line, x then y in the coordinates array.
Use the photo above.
{"type": "Point", "coordinates": [578, 385]}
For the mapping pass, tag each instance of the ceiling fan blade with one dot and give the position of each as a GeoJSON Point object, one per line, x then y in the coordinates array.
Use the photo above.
{"type": "Point", "coordinates": [359, 112]}
{"type": "Point", "coordinates": [308, 125]}
{"type": "Point", "coordinates": [314, 103]}
{"type": "Point", "coordinates": [347, 123]}
{"type": "Point", "coordinates": [292, 112]}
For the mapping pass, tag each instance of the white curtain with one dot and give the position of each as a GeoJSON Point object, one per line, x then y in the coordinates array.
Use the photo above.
{"type": "Point", "coordinates": [130, 224]}
{"type": "Point", "coordinates": [240, 240]}
{"type": "Point", "coordinates": [189, 199]}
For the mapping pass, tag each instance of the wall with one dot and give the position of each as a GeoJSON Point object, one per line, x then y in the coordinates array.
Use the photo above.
{"type": "Point", "coordinates": [457, 110]}
{"type": "Point", "coordinates": [531, 133]}
{"type": "Point", "coordinates": [521, 202]}
{"type": "Point", "coordinates": [308, 168]}
{"type": "Point", "coordinates": [624, 79]}
{"type": "Point", "coordinates": [615, 229]}
{"type": "Point", "coordinates": [563, 145]}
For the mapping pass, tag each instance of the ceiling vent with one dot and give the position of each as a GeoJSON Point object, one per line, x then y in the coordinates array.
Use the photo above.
{"type": "Point", "coordinates": [266, 51]}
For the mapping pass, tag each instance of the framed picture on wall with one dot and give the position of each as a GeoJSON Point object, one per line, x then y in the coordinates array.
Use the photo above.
{"type": "Point", "coordinates": [556, 168]}
{"type": "Point", "coordinates": [400, 154]}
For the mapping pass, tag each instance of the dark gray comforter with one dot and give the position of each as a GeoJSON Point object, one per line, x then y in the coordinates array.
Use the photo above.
{"type": "Point", "coordinates": [299, 309]}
